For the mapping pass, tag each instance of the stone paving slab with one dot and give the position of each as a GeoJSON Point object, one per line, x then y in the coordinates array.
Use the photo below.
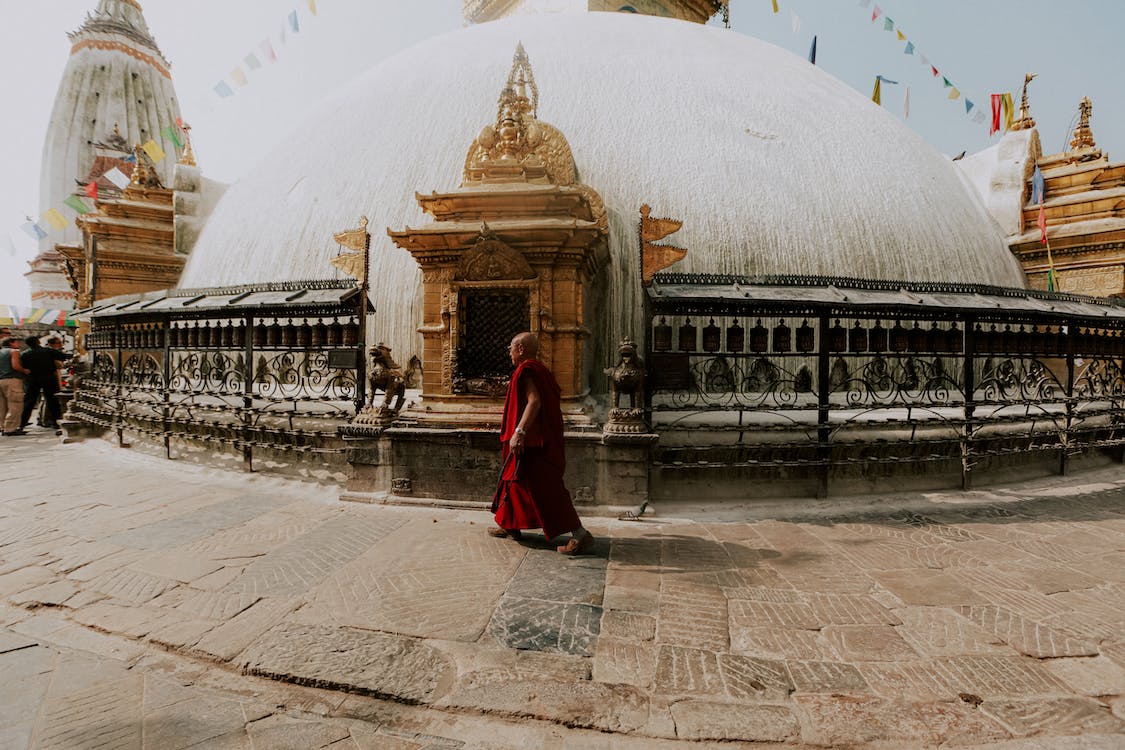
{"type": "Point", "coordinates": [968, 619]}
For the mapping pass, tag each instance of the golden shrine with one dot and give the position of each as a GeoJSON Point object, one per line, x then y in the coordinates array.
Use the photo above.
{"type": "Point", "coordinates": [515, 248]}
{"type": "Point", "coordinates": [1084, 208]}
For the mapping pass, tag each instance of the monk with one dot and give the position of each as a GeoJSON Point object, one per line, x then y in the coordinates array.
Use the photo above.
{"type": "Point", "coordinates": [531, 431]}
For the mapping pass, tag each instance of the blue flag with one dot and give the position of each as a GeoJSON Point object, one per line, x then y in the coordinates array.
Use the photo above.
{"type": "Point", "coordinates": [812, 51]}
{"type": "Point", "coordinates": [909, 50]}
{"type": "Point", "coordinates": [1038, 186]}
{"type": "Point", "coordinates": [223, 89]}
{"type": "Point", "coordinates": [293, 22]}
{"type": "Point", "coordinates": [34, 231]}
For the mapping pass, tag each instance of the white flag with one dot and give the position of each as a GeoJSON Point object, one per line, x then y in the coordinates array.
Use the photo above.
{"type": "Point", "coordinates": [117, 177]}
{"type": "Point", "coordinates": [795, 20]}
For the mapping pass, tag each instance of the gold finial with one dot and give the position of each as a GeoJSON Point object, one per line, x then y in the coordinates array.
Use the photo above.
{"type": "Point", "coordinates": [188, 156]}
{"type": "Point", "coordinates": [1025, 122]}
{"type": "Point", "coordinates": [1083, 136]}
{"type": "Point", "coordinates": [514, 107]}
{"type": "Point", "coordinates": [144, 171]}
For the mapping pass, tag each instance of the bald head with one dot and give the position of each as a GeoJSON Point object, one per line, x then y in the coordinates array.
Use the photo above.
{"type": "Point", "coordinates": [524, 346]}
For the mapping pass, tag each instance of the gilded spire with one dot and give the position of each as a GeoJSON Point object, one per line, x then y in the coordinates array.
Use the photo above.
{"type": "Point", "coordinates": [144, 171]}
{"type": "Point", "coordinates": [1026, 122]}
{"type": "Point", "coordinates": [188, 157]}
{"type": "Point", "coordinates": [1083, 136]}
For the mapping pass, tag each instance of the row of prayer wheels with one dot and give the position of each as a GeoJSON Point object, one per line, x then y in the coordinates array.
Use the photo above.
{"type": "Point", "coordinates": [877, 339]}
{"type": "Point", "coordinates": [208, 334]}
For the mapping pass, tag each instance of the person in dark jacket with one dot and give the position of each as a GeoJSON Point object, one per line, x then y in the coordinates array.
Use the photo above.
{"type": "Point", "coordinates": [42, 364]}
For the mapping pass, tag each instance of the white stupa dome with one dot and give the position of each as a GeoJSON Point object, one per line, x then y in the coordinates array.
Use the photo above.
{"type": "Point", "coordinates": [773, 165]}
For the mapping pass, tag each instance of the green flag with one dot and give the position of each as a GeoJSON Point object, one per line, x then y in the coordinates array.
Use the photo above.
{"type": "Point", "coordinates": [173, 134]}
{"type": "Point", "coordinates": [78, 204]}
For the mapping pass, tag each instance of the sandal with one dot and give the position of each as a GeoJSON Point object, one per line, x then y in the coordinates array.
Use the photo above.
{"type": "Point", "coordinates": [578, 546]}
{"type": "Point", "coordinates": [500, 533]}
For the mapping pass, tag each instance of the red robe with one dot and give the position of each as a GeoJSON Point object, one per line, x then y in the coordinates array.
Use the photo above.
{"type": "Point", "coordinates": [536, 496]}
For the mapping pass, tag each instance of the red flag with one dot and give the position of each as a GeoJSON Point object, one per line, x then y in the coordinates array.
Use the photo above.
{"type": "Point", "coordinates": [996, 99]}
{"type": "Point", "coordinates": [92, 190]}
{"type": "Point", "coordinates": [1042, 225]}
{"type": "Point", "coordinates": [935, 71]}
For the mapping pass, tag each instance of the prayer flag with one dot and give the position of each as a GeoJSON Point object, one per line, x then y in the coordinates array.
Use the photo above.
{"type": "Point", "coordinates": [795, 21]}
{"type": "Point", "coordinates": [312, 6]}
{"type": "Point", "coordinates": [909, 48]}
{"type": "Point", "coordinates": [906, 104]}
{"type": "Point", "coordinates": [1006, 100]}
{"type": "Point", "coordinates": [1051, 285]}
{"type": "Point", "coordinates": [935, 70]}
{"type": "Point", "coordinates": [876, 13]}
{"type": "Point", "coordinates": [34, 231]}
{"type": "Point", "coordinates": [995, 98]}
{"type": "Point", "coordinates": [172, 133]}
{"type": "Point", "coordinates": [1038, 186]}
{"type": "Point", "coordinates": [56, 219]}
{"type": "Point", "coordinates": [775, 8]}
{"type": "Point", "coordinates": [864, 3]}
{"type": "Point", "coordinates": [968, 106]}
{"type": "Point", "coordinates": [223, 90]}
{"type": "Point", "coordinates": [1042, 225]}
{"type": "Point", "coordinates": [876, 95]}
{"type": "Point", "coordinates": [923, 59]}
{"type": "Point", "coordinates": [266, 47]}
{"type": "Point", "coordinates": [901, 36]}
{"type": "Point", "coordinates": [887, 80]}
{"type": "Point", "coordinates": [91, 189]}
{"type": "Point", "coordinates": [131, 158]}
{"type": "Point", "coordinates": [979, 116]}
{"type": "Point", "coordinates": [78, 204]}
{"type": "Point", "coordinates": [888, 25]}
{"type": "Point", "coordinates": [945, 82]}
{"type": "Point", "coordinates": [154, 151]}
{"type": "Point", "coordinates": [812, 51]}
{"type": "Point", "coordinates": [296, 27]}
{"type": "Point", "coordinates": [239, 77]}
{"type": "Point", "coordinates": [252, 61]}
{"type": "Point", "coordinates": [954, 93]}
{"type": "Point", "coordinates": [117, 177]}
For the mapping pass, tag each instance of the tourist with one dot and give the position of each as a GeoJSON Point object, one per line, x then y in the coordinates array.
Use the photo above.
{"type": "Point", "coordinates": [533, 494]}
{"type": "Point", "coordinates": [42, 365]}
{"type": "Point", "coordinates": [12, 374]}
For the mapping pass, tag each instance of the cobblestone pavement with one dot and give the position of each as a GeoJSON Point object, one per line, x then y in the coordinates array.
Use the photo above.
{"type": "Point", "coordinates": [146, 601]}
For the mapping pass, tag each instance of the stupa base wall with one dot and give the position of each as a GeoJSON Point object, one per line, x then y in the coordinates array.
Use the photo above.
{"type": "Point", "coordinates": [460, 466]}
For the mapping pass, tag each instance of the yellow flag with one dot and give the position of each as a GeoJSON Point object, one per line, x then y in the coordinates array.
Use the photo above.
{"type": "Point", "coordinates": [876, 95]}
{"type": "Point", "coordinates": [775, 6]}
{"type": "Point", "coordinates": [56, 219]}
{"type": "Point", "coordinates": [312, 7]}
{"type": "Point", "coordinates": [238, 76]}
{"type": "Point", "coordinates": [901, 36]}
{"type": "Point", "coordinates": [154, 151]}
{"type": "Point", "coordinates": [1006, 106]}
{"type": "Point", "coordinates": [954, 93]}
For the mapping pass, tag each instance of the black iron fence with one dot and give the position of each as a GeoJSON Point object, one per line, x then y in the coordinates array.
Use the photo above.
{"type": "Point", "coordinates": [270, 366]}
{"type": "Point", "coordinates": [822, 373]}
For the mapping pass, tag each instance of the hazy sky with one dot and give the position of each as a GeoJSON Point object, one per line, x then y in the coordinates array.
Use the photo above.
{"type": "Point", "coordinates": [982, 46]}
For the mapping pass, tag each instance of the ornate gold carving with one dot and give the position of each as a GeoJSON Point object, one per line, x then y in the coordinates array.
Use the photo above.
{"type": "Point", "coordinates": [144, 171]}
{"type": "Point", "coordinates": [655, 258]}
{"type": "Point", "coordinates": [492, 260]}
{"type": "Point", "coordinates": [1025, 122]}
{"type": "Point", "coordinates": [355, 244]}
{"type": "Point", "coordinates": [519, 147]}
{"type": "Point", "coordinates": [1082, 146]}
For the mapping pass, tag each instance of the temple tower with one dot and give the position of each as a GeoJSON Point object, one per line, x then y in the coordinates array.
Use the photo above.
{"type": "Point", "coordinates": [115, 92]}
